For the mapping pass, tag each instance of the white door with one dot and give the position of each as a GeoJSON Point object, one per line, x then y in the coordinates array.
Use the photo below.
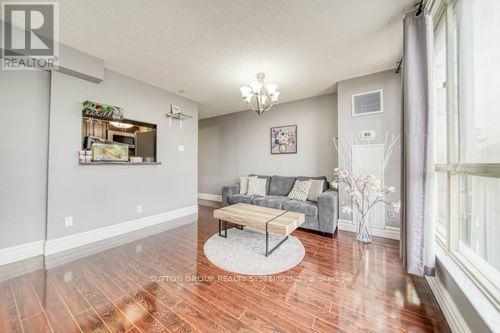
{"type": "Point", "coordinates": [367, 160]}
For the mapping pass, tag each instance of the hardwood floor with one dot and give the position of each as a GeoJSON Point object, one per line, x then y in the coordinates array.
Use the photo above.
{"type": "Point", "coordinates": [164, 283]}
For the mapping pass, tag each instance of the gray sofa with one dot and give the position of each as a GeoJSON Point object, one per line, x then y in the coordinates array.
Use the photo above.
{"type": "Point", "coordinates": [320, 217]}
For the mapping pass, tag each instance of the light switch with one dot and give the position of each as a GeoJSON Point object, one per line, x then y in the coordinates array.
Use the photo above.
{"type": "Point", "coordinates": [181, 147]}
{"type": "Point", "coordinates": [68, 221]}
{"type": "Point", "coordinates": [138, 208]}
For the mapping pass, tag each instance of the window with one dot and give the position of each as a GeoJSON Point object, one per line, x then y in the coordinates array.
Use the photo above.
{"type": "Point", "coordinates": [466, 114]}
{"type": "Point", "coordinates": [480, 218]}
{"type": "Point", "coordinates": [440, 124]}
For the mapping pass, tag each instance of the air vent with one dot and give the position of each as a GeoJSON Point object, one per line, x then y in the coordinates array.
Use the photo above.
{"type": "Point", "coordinates": [367, 103]}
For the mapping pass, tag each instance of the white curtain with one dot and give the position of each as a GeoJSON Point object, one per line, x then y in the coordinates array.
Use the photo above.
{"type": "Point", "coordinates": [418, 219]}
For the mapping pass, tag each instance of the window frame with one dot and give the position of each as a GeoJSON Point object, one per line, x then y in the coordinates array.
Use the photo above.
{"type": "Point", "coordinates": [484, 277]}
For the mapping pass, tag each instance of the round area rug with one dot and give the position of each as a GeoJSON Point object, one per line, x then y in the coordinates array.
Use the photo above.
{"type": "Point", "coordinates": [244, 252]}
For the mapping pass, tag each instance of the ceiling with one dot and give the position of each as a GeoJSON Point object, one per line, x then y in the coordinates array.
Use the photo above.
{"type": "Point", "coordinates": [205, 50]}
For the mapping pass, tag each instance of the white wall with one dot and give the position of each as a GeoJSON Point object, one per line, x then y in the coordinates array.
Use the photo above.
{"type": "Point", "coordinates": [390, 120]}
{"type": "Point", "coordinates": [101, 195]}
{"type": "Point", "coordinates": [24, 118]}
{"type": "Point", "coordinates": [239, 144]}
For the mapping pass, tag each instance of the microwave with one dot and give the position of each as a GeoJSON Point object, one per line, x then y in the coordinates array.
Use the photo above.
{"type": "Point", "coordinates": [122, 137]}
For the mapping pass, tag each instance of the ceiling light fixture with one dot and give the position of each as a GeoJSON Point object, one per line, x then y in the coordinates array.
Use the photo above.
{"type": "Point", "coordinates": [120, 125]}
{"type": "Point", "coordinates": [260, 96]}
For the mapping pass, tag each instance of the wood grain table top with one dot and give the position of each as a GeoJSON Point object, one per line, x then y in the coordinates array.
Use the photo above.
{"type": "Point", "coordinates": [278, 221]}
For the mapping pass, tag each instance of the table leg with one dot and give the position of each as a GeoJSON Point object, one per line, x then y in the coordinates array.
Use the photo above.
{"type": "Point", "coordinates": [275, 247]}
{"type": "Point", "coordinates": [220, 229]}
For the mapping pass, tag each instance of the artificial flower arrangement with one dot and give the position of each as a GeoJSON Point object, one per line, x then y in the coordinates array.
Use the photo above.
{"type": "Point", "coordinates": [283, 137]}
{"type": "Point", "coordinates": [91, 108]}
{"type": "Point", "coordinates": [364, 191]}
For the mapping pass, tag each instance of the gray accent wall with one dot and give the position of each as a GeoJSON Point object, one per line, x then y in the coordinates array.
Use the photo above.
{"type": "Point", "coordinates": [239, 144]}
{"type": "Point", "coordinates": [97, 196]}
{"type": "Point", "coordinates": [24, 118]}
{"type": "Point", "coordinates": [390, 120]}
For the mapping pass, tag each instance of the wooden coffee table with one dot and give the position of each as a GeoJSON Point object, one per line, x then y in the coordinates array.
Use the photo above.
{"type": "Point", "coordinates": [270, 220]}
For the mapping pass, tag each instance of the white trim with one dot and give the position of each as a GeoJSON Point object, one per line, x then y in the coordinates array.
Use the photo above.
{"type": "Point", "coordinates": [449, 268]}
{"type": "Point", "coordinates": [389, 232]}
{"type": "Point", "coordinates": [211, 197]}
{"type": "Point", "coordinates": [68, 242]}
{"type": "Point", "coordinates": [21, 252]}
{"type": "Point", "coordinates": [451, 313]}
{"type": "Point", "coordinates": [381, 91]}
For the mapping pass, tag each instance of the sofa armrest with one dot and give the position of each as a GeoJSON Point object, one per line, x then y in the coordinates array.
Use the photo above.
{"type": "Point", "coordinates": [328, 211]}
{"type": "Point", "coordinates": [228, 191]}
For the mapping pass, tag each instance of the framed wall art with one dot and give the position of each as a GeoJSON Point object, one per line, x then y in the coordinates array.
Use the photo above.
{"type": "Point", "coordinates": [284, 139]}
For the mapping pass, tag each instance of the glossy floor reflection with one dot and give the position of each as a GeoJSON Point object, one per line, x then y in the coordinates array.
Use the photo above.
{"type": "Point", "coordinates": [164, 283]}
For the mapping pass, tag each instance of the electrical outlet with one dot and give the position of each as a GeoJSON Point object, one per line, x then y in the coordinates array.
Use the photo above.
{"type": "Point", "coordinates": [391, 214]}
{"type": "Point", "coordinates": [138, 208]}
{"type": "Point", "coordinates": [68, 276]}
{"type": "Point", "coordinates": [68, 221]}
{"type": "Point", "coordinates": [181, 147]}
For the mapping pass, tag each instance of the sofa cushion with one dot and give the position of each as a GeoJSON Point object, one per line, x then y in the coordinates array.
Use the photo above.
{"type": "Point", "coordinates": [300, 190]}
{"type": "Point", "coordinates": [240, 198]}
{"type": "Point", "coordinates": [257, 186]}
{"type": "Point", "coordinates": [281, 185]}
{"type": "Point", "coordinates": [244, 185]}
{"type": "Point", "coordinates": [270, 201]}
{"type": "Point", "coordinates": [308, 208]}
{"type": "Point", "coordinates": [267, 178]}
{"type": "Point", "coordinates": [316, 189]}
{"type": "Point", "coordinates": [325, 183]}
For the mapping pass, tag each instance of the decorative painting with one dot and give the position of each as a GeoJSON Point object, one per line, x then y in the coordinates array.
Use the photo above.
{"type": "Point", "coordinates": [284, 139]}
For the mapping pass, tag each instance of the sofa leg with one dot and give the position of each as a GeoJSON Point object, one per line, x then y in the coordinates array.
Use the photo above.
{"type": "Point", "coordinates": [317, 232]}
{"type": "Point", "coordinates": [327, 234]}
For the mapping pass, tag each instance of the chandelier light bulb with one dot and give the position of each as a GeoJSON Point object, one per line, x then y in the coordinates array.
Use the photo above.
{"type": "Point", "coordinates": [245, 91]}
{"type": "Point", "coordinates": [271, 88]}
{"type": "Point", "coordinates": [275, 96]}
{"type": "Point", "coordinates": [256, 86]}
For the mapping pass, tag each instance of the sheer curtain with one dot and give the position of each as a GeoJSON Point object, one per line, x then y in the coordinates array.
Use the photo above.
{"type": "Point", "coordinates": [418, 220]}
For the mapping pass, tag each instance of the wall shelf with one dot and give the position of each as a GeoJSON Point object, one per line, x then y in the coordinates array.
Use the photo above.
{"type": "Point", "coordinates": [119, 163]}
{"type": "Point", "coordinates": [178, 116]}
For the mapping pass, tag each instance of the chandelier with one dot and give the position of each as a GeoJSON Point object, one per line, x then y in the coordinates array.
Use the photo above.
{"type": "Point", "coordinates": [261, 97]}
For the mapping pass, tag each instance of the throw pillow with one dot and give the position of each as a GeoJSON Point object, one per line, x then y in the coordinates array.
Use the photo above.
{"type": "Point", "coordinates": [257, 186]}
{"type": "Point", "coordinates": [300, 190]}
{"type": "Point", "coordinates": [244, 184]}
{"type": "Point", "coordinates": [315, 190]}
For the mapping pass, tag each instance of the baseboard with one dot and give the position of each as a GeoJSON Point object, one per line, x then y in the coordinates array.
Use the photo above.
{"type": "Point", "coordinates": [211, 197]}
{"type": "Point", "coordinates": [391, 233]}
{"type": "Point", "coordinates": [21, 252]}
{"type": "Point", "coordinates": [451, 313]}
{"type": "Point", "coordinates": [69, 242]}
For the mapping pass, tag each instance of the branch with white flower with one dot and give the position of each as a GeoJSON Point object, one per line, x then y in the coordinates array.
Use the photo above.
{"type": "Point", "coordinates": [364, 191]}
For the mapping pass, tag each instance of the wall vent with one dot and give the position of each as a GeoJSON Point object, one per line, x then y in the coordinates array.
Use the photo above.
{"type": "Point", "coordinates": [369, 102]}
